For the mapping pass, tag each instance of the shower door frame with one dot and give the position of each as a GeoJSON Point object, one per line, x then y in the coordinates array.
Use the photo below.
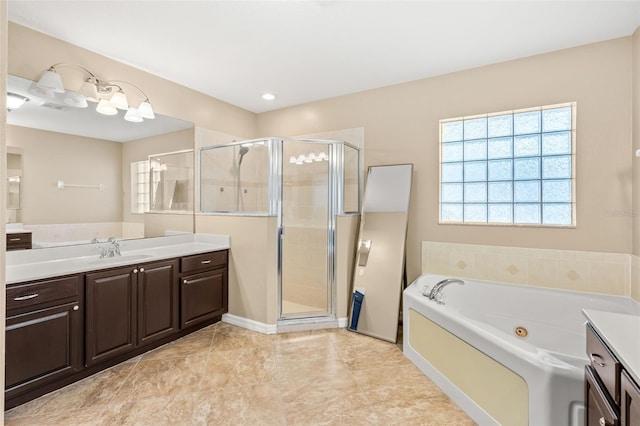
{"type": "Point", "coordinates": [334, 177]}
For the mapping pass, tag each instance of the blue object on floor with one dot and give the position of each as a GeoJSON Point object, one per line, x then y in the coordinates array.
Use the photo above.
{"type": "Point", "coordinates": [357, 304]}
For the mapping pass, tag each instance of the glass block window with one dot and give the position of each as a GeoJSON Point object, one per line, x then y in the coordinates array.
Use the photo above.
{"type": "Point", "coordinates": [514, 167]}
{"type": "Point", "coordinates": [140, 171]}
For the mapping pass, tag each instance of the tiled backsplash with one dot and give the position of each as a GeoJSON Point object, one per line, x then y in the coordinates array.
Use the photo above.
{"type": "Point", "coordinates": [609, 273]}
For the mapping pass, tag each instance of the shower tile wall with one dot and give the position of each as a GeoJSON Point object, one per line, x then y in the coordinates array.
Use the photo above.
{"type": "Point", "coordinates": [608, 273]}
{"type": "Point", "coordinates": [219, 178]}
{"type": "Point", "coordinates": [305, 241]}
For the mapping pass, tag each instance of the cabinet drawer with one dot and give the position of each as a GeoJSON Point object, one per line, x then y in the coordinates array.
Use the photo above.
{"type": "Point", "coordinates": [604, 364]}
{"type": "Point", "coordinates": [36, 293]}
{"type": "Point", "coordinates": [600, 410]}
{"type": "Point", "coordinates": [204, 261]}
{"type": "Point", "coordinates": [19, 240]}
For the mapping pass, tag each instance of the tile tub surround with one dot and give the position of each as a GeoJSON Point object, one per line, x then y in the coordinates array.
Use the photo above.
{"type": "Point", "coordinates": [224, 374]}
{"type": "Point", "coordinates": [609, 273]}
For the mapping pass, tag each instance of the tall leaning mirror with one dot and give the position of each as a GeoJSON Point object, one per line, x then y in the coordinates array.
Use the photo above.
{"type": "Point", "coordinates": [380, 260]}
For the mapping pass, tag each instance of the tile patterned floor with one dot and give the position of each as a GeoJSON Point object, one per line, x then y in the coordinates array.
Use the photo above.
{"type": "Point", "coordinates": [226, 375]}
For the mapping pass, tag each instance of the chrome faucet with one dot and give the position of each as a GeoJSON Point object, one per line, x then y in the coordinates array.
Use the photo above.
{"type": "Point", "coordinates": [436, 292]}
{"type": "Point", "coordinates": [112, 250]}
{"type": "Point", "coordinates": [115, 248]}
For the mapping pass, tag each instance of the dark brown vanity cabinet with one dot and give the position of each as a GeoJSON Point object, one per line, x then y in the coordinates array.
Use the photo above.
{"type": "Point", "coordinates": [612, 398]}
{"type": "Point", "coordinates": [203, 287]}
{"type": "Point", "coordinates": [130, 307]}
{"type": "Point", "coordinates": [43, 333]}
{"type": "Point", "coordinates": [63, 329]}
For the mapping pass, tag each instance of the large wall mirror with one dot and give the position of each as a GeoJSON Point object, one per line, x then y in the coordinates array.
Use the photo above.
{"type": "Point", "coordinates": [84, 175]}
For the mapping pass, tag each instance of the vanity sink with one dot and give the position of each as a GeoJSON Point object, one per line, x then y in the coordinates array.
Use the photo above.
{"type": "Point", "coordinates": [119, 259]}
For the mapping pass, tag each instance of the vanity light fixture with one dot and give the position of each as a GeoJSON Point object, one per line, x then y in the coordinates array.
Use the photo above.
{"type": "Point", "coordinates": [310, 158]}
{"type": "Point", "coordinates": [15, 101]}
{"type": "Point", "coordinates": [110, 94]}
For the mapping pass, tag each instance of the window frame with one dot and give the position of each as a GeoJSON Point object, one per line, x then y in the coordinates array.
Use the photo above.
{"type": "Point", "coordinates": [513, 180]}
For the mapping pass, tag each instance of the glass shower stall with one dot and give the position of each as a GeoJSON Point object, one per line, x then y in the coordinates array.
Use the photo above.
{"type": "Point", "coordinates": [306, 184]}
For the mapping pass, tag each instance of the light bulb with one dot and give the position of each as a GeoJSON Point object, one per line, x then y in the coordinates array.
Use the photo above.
{"type": "Point", "coordinates": [89, 90]}
{"type": "Point", "coordinates": [133, 116]}
{"type": "Point", "coordinates": [119, 100]}
{"type": "Point", "coordinates": [145, 110]}
{"type": "Point", "coordinates": [75, 100]}
{"type": "Point", "coordinates": [106, 108]}
{"type": "Point", "coordinates": [51, 80]}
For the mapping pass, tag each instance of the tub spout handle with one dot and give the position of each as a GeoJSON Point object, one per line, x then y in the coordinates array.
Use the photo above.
{"type": "Point", "coordinates": [436, 292]}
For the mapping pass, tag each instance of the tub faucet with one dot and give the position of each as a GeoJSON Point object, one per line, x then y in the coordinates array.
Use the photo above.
{"type": "Point", "coordinates": [436, 292]}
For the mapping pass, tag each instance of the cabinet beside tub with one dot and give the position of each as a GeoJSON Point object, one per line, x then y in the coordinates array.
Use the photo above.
{"type": "Point", "coordinates": [612, 390]}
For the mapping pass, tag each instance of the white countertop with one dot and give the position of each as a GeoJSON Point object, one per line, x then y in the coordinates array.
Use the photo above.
{"type": "Point", "coordinates": [17, 231]}
{"type": "Point", "coordinates": [621, 333]}
{"type": "Point", "coordinates": [28, 265]}
{"type": "Point", "coordinates": [14, 228]}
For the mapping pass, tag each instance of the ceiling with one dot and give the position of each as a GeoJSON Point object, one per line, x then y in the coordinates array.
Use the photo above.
{"type": "Point", "coordinates": [305, 51]}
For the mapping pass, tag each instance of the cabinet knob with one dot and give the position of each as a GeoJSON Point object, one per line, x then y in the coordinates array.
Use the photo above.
{"type": "Point", "coordinates": [597, 359]}
{"type": "Point", "coordinates": [141, 269]}
{"type": "Point", "coordinates": [135, 271]}
{"type": "Point", "coordinates": [184, 281]}
{"type": "Point", "coordinates": [75, 308]}
{"type": "Point", "coordinates": [602, 421]}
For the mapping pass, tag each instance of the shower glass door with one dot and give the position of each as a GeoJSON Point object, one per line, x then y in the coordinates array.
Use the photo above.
{"type": "Point", "coordinates": [306, 260]}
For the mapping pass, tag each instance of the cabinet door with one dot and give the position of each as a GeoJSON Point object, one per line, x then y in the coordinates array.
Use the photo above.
{"type": "Point", "coordinates": [599, 409]}
{"type": "Point", "coordinates": [203, 296]}
{"type": "Point", "coordinates": [111, 307]}
{"type": "Point", "coordinates": [41, 346]}
{"type": "Point", "coordinates": [157, 301]}
{"type": "Point", "coordinates": [629, 401]}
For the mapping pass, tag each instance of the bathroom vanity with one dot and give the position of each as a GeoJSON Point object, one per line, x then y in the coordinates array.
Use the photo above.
{"type": "Point", "coordinates": [612, 382]}
{"type": "Point", "coordinates": [87, 314]}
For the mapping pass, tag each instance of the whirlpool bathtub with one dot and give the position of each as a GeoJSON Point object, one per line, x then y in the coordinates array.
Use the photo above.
{"type": "Point", "coordinates": [506, 354]}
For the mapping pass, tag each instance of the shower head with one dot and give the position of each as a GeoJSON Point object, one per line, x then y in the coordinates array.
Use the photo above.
{"type": "Point", "coordinates": [243, 151]}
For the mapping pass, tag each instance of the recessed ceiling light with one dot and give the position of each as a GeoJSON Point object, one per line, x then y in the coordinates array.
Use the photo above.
{"type": "Point", "coordinates": [268, 96]}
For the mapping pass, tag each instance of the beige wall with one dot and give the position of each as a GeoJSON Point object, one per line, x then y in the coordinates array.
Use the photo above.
{"type": "Point", "coordinates": [253, 286]}
{"type": "Point", "coordinates": [401, 125]}
{"type": "Point", "coordinates": [3, 180]}
{"type": "Point", "coordinates": [48, 157]}
{"type": "Point", "coordinates": [635, 275]}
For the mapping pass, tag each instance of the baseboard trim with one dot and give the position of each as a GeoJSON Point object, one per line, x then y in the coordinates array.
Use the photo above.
{"type": "Point", "coordinates": [249, 324]}
{"type": "Point", "coordinates": [263, 328]}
